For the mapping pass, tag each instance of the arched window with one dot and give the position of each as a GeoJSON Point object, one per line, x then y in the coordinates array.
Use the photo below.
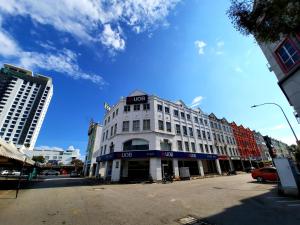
{"type": "Point", "coordinates": [136, 144]}
{"type": "Point", "coordinates": [111, 147]}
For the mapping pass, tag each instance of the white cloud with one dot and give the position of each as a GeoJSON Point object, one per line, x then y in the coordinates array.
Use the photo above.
{"type": "Point", "coordinates": [45, 147]}
{"type": "Point", "coordinates": [112, 38]}
{"type": "Point", "coordinates": [278, 127]}
{"type": "Point", "coordinates": [200, 46]}
{"type": "Point", "coordinates": [63, 61]}
{"type": "Point", "coordinates": [87, 20]}
{"type": "Point", "coordinates": [238, 69]}
{"type": "Point", "coordinates": [196, 101]}
{"type": "Point", "coordinates": [220, 43]}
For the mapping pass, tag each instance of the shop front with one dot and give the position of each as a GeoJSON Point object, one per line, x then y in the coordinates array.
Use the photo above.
{"type": "Point", "coordinates": [153, 164]}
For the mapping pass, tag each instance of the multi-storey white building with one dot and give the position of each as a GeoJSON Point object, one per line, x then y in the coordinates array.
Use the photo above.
{"type": "Point", "coordinates": [225, 144]}
{"type": "Point", "coordinates": [24, 101]}
{"type": "Point", "coordinates": [57, 156]}
{"type": "Point", "coordinates": [93, 149]}
{"type": "Point", "coordinates": [144, 135]}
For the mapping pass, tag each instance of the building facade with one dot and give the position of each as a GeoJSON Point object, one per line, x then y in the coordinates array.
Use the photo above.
{"type": "Point", "coordinates": [55, 157]}
{"type": "Point", "coordinates": [145, 136]}
{"type": "Point", "coordinates": [261, 144]}
{"type": "Point", "coordinates": [246, 144]}
{"type": "Point", "coordinates": [24, 100]}
{"type": "Point", "coordinates": [284, 60]}
{"type": "Point", "coordinates": [93, 149]}
{"type": "Point", "coordinates": [225, 144]}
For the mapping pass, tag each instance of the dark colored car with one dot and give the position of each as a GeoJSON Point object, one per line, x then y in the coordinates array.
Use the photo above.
{"type": "Point", "coordinates": [266, 173]}
{"type": "Point", "coordinates": [51, 172]}
{"type": "Point", "coordinates": [74, 174]}
{"type": "Point", "coordinates": [249, 169]}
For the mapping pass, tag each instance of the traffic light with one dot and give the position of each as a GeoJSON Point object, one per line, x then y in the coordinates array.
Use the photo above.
{"type": "Point", "coordinates": [272, 150]}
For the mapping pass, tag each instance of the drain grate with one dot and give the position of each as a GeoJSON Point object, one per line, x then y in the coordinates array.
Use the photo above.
{"type": "Point", "coordinates": [98, 189]}
{"type": "Point", "coordinates": [190, 220]}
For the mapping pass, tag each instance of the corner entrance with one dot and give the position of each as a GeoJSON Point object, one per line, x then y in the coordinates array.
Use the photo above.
{"type": "Point", "coordinates": [135, 170]}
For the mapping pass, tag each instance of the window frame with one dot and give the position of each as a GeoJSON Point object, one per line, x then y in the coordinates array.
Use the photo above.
{"type": "Point", "coordinates": [279, 59]}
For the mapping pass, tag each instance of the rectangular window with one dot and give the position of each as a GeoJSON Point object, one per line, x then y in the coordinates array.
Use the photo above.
{"type": "Point", "coordinates": [112, 131]}
{"type": "Point", "coordinates": [167, 110]}
{"type": "Point", "coordinates": [160, 125]}
{"type": "Point", "coordinates": [126, 108]}
{"type": "Point", "coordinates": [176, 113]}
{"type": "Point", "coordinates": [117, 111]}
{"type": "Point", "coordinates": [188, 116]}
{"type": "Point", "coordinates": [179, 145]}
{"type": "Point", "coordinates": [146, 106]}
{"type": "Point", "coordinates": [198, 134]}
{"type": "Point", "coordinates": [211, 149]}
{"type": "Point", "coordinates": [193, 147]}
{"type": "Point", "coordinates": [184, 130]}
{"type": "Point", "coordinates": [201, 121]}
{"type": "Point", "coordinates": [288, 55]}
{"type": "Point", "coordinates": [125, 126]}
{"type": "Point", "coordinates": [191, 132]}
{"type": "Point", "coordinates": [159, 108]}
{"type": "Point", "coordinates": [196, 119]}
{"type": "Point", "coordinates": [146, 124]}
{"type": "Point", "coordinates": [206, 148]}
{"type": "Point", "coordinates": [201, 148]}
{"type": "Point", "coordinates": [115, 129]}
{"type": "Point", "coordinates": [208, 136]}
{"type": "Point", "coordinates": [136, 107]}
{"type": "Point", "coordinates": [203, 134]}
{"type": "Point", "coordinates": [168, 126]}
{"type": "Point", "coordinates": [205, 123]}
{"type": "Point", "coordinates": [187, 147]}
{"type": "Point", "coordinates": [182, 115]}
{"type": "Point", "coordinates": [178, 129]}
{"type": "Point", "coordinates": [136, 125]}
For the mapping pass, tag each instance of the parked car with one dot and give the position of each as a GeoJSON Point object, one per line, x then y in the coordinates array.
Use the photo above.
{"type": "Point", "coordinates": [265, 173]}
{"type": "Point", "coordinates": [50, 172]}
{"type": "Point", "coordinates": [249, 169]}
{"type": "Point", "coordinates": [10, 173]}
{"type": "Point", "coordinates": [74, 174]}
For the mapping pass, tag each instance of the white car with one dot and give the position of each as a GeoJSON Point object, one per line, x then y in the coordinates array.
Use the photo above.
{"type": "Point", "coordinates": [10, 173]}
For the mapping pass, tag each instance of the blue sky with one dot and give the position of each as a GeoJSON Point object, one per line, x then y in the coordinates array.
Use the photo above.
{"type": "Point", "coordinates": [97, 52]}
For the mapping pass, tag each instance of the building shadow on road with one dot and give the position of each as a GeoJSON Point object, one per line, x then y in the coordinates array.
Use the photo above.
{"type": "Point", "coordinates": [265, 209]}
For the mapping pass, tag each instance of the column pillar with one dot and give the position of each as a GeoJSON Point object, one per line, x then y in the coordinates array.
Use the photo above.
{"type": "Point", "coordinates": [218, 167]}
{"type": "Point", "coordinates": [97, 169]}
{"type": "Point", "coordinates": [231, 164]}
{"type": "Point", "coordinates": [155, 168]}
{"type": "Point", "coordinates": [200, 167]}
{"type": "Point", "coordinates": [175, 168]}
{"type": "Point", "coordinates": [116, 170]}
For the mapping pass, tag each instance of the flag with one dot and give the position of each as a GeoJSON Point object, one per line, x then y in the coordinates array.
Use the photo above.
{"type": "Point", "coordinates": [106, 106]}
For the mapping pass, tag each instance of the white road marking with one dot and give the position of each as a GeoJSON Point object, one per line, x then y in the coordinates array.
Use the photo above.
{"type": "Point", "coordinates": [288, 201]}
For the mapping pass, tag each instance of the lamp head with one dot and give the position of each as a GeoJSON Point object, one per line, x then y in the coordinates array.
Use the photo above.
{"type": "Point", "coordinates": [253, 106]}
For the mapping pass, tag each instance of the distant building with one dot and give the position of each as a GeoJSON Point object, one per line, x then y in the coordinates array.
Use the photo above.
{"type": "Point", "coordinates": [225, 144]}
{"type": "Point", "coordinates": [284, 59]}
{"type": "Point", "coordinates": [261, 144]}
{"type": "Point", "coordinates": [280, 148]}
{"type": "Point", "coordinates": [246, 144]}
{"type": "Point", "coordinates": [24, 100]}
{"type": "Point", "coordinates": [93, 149]}
{"type": "Point", "coordinates": [56, 157]}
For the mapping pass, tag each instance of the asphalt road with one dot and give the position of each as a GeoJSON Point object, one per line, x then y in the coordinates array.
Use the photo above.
{"type": "Point", "coordinates": [220, 200]}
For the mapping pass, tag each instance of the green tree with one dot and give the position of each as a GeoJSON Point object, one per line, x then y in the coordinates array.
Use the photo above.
{"type": "Point", "coordinates": [267, 20]}
{"type": "Point", "coordinates": [39, 159]}
{"type": "Point", "coordinates": [77, 163]}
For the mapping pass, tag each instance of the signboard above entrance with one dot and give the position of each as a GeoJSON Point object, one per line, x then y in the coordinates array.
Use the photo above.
{"type": "Point", "coordinates": [137, 99]}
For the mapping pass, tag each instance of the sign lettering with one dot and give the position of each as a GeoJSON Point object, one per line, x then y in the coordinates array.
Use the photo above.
{"type": "Point", "coordinates": [137, 99]}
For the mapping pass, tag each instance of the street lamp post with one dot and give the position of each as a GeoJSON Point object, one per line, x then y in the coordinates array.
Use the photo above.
{"type": "Point", "coordinates": [271, 103]}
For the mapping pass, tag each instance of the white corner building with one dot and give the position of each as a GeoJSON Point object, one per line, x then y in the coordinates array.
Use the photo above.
{"type": "Point", "coordinates": [145, 136]}
{"type": "Point", "coordinates": [24, 100]}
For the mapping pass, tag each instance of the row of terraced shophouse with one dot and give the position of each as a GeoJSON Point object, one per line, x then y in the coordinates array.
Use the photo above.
{"type": "Point", "coordinates": [146, 136]}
